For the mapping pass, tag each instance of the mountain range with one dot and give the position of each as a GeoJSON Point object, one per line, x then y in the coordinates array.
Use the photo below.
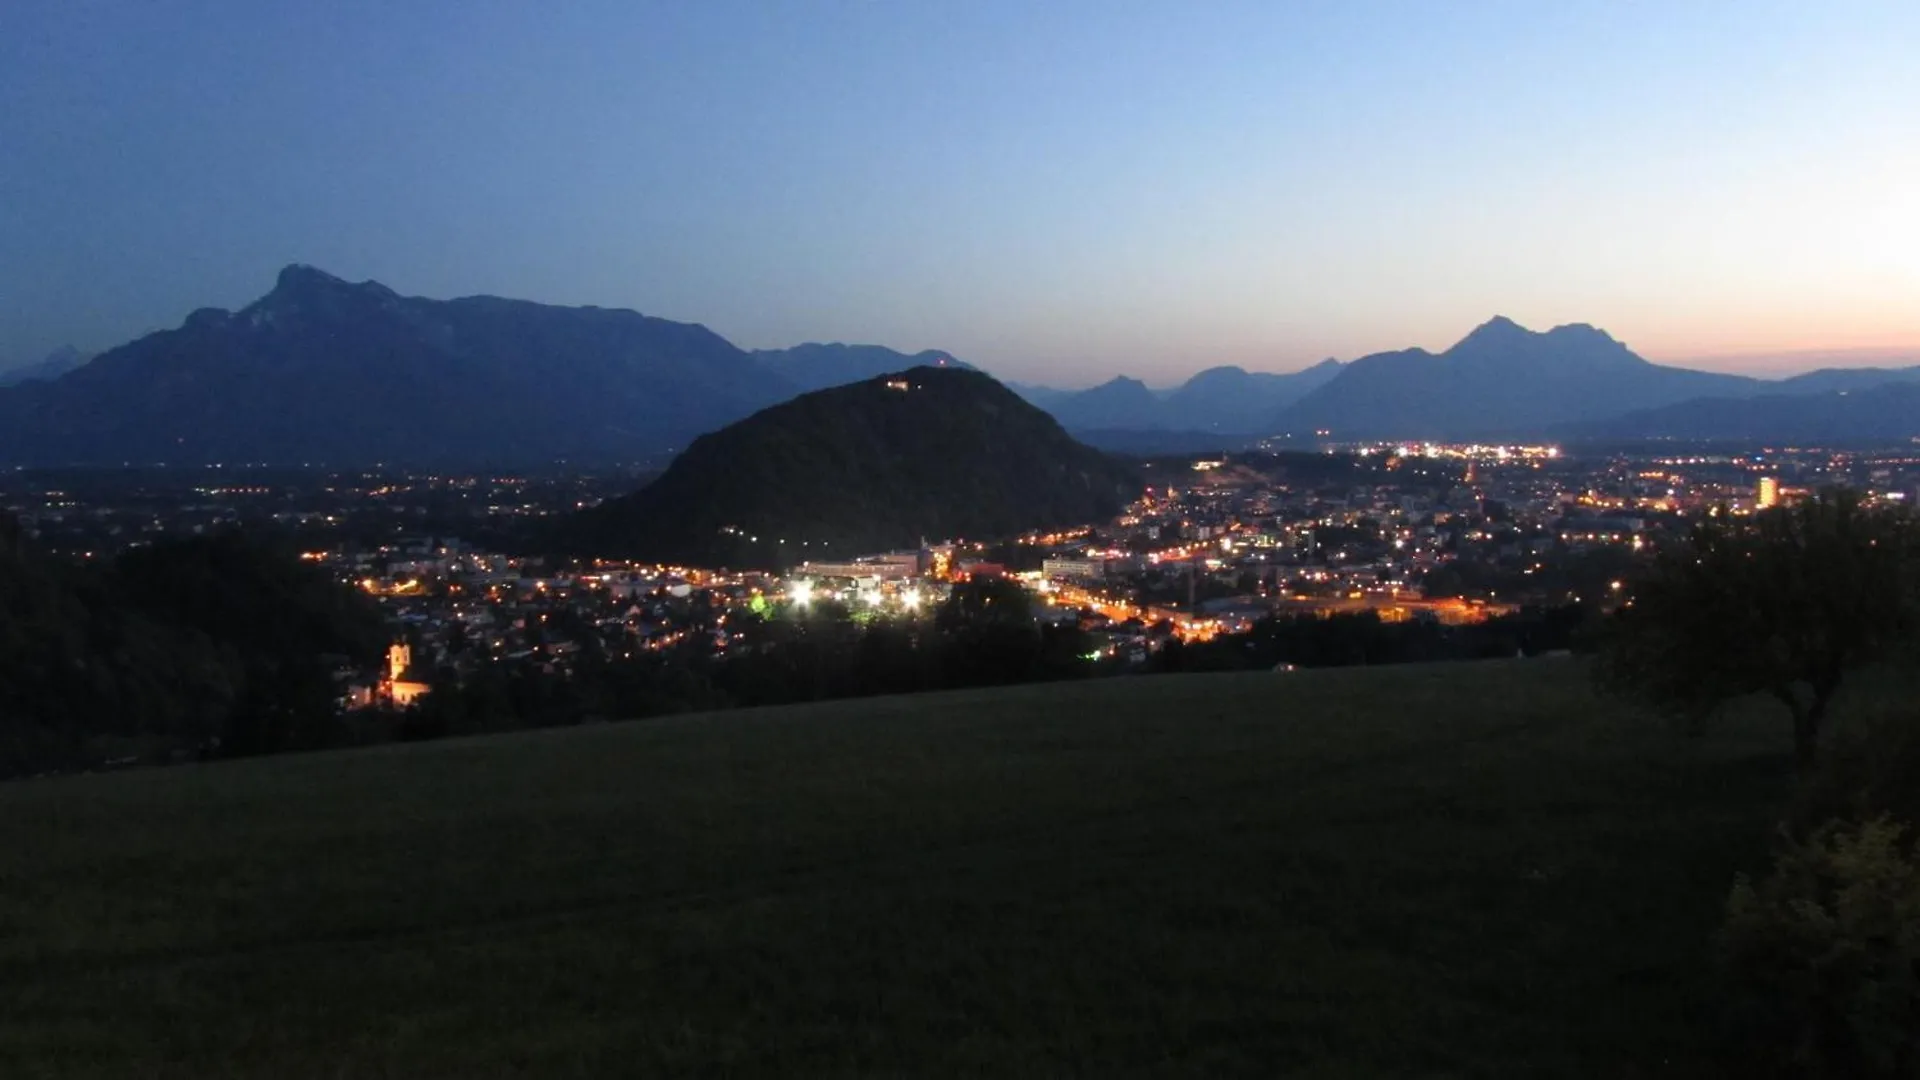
{"type": "Point", "coordinates": [1505, 380]}
{"type": "Point", "coordinates": [1501, 380]}
{"type": "Point", "coordinates": [324, 370]}
{"type": "Point", "coordinates": [1219, 399]}
{"type": "Point", "coordinates": [321, 370]}
{"type": "Point", "coordinates": [883, 463]}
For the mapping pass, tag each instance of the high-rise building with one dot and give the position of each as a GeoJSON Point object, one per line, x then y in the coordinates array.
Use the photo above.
{"type": "Point", "coordinates": [1769, 494]}
{"type": "Point", "coordinates": [1074, 569]}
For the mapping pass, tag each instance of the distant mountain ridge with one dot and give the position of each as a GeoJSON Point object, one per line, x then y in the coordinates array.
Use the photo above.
{"type": "Point", "coordinates": [1827, 380]}
{"type": "Point", "coordinates": [932, 452]}
{"type": "Point", "coordinates": [1884, 413]}
{"type": "Point", "coordinates": [52, 366]}
{"type": "Point", "coordinates": [1120, 402]}
{"type": "Point", "coordinates": [1232, 399]}
{"type": "Point", "coordinates": [321, 370]}
{"type": "Point", "coordinates": [324, 370]}
{"type": "Point", "coordinates": [1224, 399]}
{"type": "Point", "coordinates": [816, 366]}
{"type": "Point", "coordinates": [1501, 380]}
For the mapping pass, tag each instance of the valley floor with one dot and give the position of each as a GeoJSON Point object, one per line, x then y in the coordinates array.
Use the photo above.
{"type": "Point", "coordinates": [1459, 870]}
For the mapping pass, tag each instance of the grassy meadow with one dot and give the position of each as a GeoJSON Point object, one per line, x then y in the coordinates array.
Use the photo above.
{"type": "Point", "coordinates": [1457, 870]}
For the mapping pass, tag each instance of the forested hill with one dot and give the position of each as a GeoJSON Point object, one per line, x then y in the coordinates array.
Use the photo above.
{"type": "Point", "coordinates": [927, 453]}
{"type": "Point", "coordinates": [211, 644]}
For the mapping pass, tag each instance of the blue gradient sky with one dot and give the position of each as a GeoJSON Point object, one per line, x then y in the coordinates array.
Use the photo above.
{"type": "Point", "coordinates": [1057, 191]}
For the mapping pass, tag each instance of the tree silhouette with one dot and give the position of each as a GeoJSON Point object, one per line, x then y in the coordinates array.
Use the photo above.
{"type": "Point", "coordinates": [1784, 603]}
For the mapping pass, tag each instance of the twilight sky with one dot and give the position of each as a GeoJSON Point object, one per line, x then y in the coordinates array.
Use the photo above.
{"type": "Point", "coordinates": [1057, 191]}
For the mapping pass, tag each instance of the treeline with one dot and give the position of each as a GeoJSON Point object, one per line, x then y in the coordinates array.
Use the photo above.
{"type": "Point", "coordinates": [984, 635]}
{"type": "Point", "coordinates": [224, 646]}
{"type": "Point", "coordinates": [208, 646]}
{"type": "Point", "coordinates": [1365, 639]}
{"type": "Point", "coordinates": [1820, 953]}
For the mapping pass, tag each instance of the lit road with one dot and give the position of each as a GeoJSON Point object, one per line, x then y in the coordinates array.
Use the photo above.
{"type": "Point", "coordinates": [1186, 627]}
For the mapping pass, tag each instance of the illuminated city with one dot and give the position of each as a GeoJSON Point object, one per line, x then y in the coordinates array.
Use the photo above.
{"type": "Point", "coordinates": [1455, 535]}
{"type": "Point", "coordinates": [834, 538]}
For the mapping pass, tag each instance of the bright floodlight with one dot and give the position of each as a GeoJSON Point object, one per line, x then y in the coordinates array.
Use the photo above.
{"type": "Point", "coordinates": [910, 599]}
{"type": "Point", "coordinates": [802, 592]}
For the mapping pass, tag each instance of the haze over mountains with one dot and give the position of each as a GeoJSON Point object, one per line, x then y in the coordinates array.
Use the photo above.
{"type": "Point", "coordinates": [320, 370]}
{"type": "Point", "coordinates": [50, 367]}
{"type": "Point", "coordinates": [1886, 412]}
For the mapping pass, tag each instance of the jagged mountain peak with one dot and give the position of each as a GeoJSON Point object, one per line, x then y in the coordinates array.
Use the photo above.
{"type": "Point", "coordinates": [305, 275]}
{"type": "Point", "coordinates": [1503, 330]}
{"type": "Point", "coordinates": [1497, 330]}
{"type": "Point", "coordinates": [1501, 379]}
{"type": "Point", "coordinates": [1506, 343]}
{"type": "Point", "coordinates": [299, 281]}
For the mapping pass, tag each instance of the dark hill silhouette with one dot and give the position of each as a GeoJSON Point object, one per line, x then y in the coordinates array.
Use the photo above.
{"type": "Point", "coordinates": [323, 370]}
{"type": "Point", "coordinates": [1500, 379]}
{"type": "Point", "coordinates": [857, 468]}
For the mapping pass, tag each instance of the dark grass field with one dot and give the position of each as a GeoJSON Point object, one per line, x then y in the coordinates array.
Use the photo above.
{"type": "Point", "coordinates": [1463, 870]}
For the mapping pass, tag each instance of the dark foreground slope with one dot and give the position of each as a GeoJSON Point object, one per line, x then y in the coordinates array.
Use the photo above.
{"type": "Point", "coordinates": [1460, 870]}
{"type": "Point", "coordinates": [928, 453]}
